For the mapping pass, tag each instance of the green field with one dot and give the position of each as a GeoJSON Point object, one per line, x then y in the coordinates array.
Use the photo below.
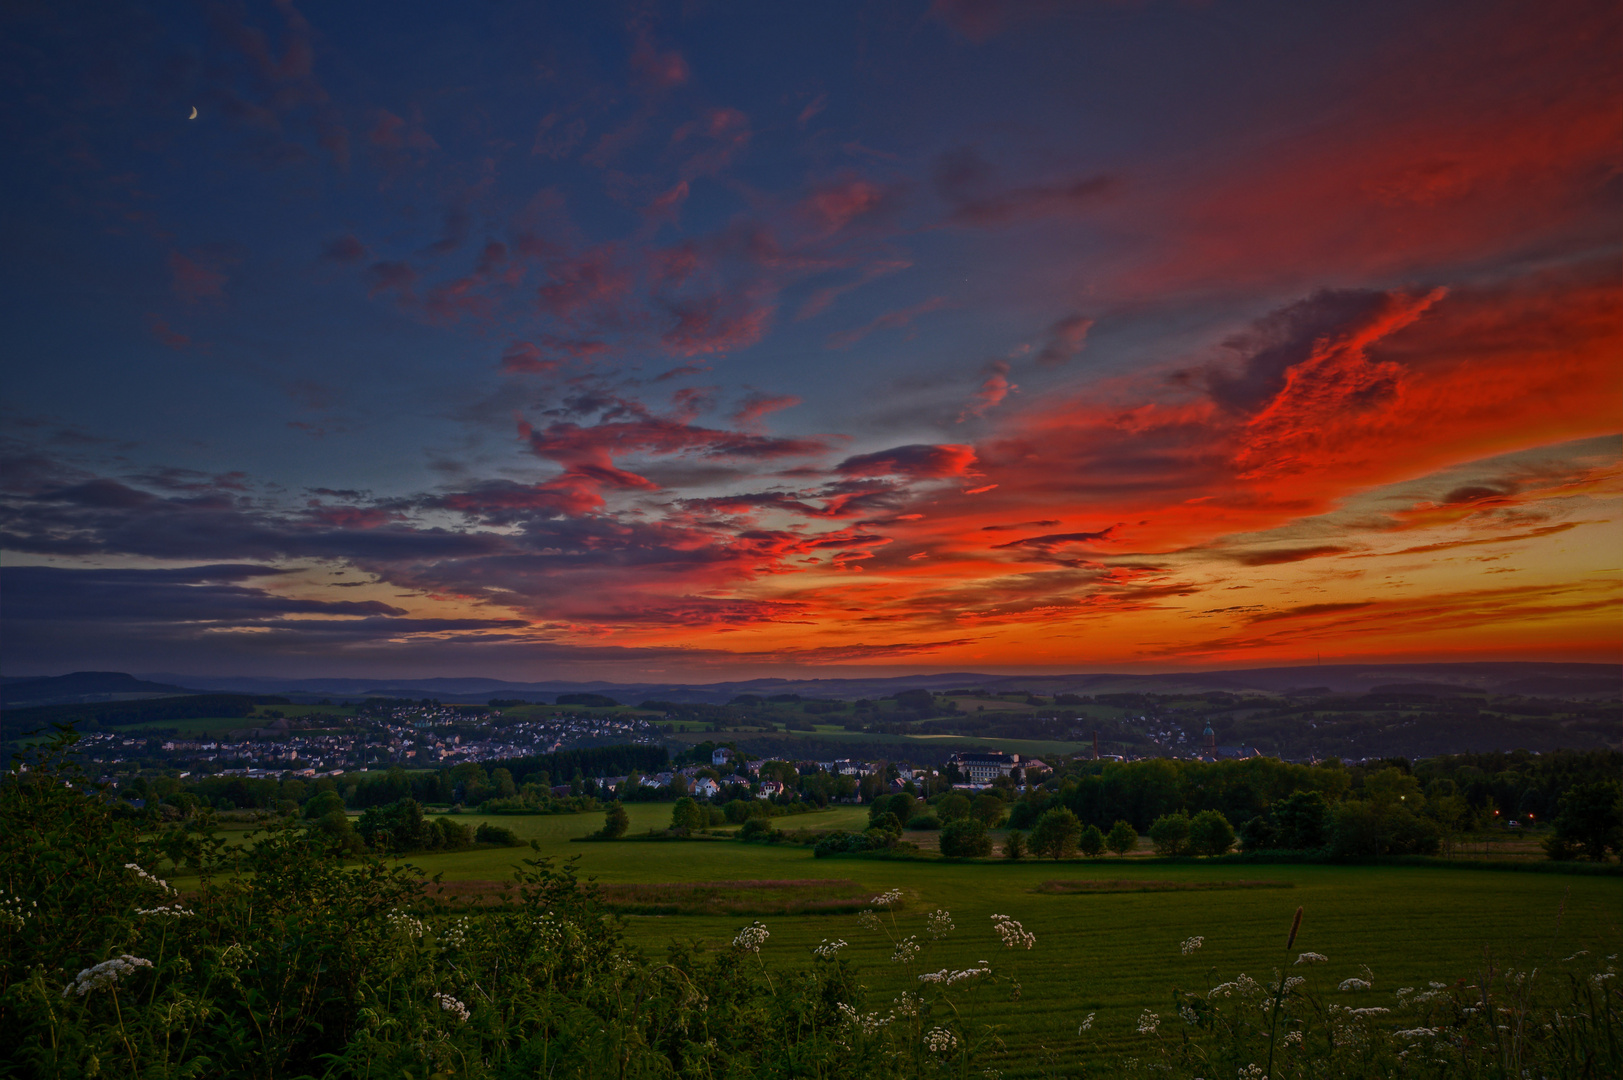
{"type": "Point", "coordinates": [1111, 949]}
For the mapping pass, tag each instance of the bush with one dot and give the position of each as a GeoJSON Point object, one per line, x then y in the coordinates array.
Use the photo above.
{"type": "Point", "coordinates": [1122, 838]}
{"type": "Point", "coordinates": [1091, 842]}
{"type": "Point", "coordinates": [965, 838]}
{"type": "Point", "coordinates": [1170, 834]}
{"type": "Point", "coordinates": [1591, 820]}
{"type": "Point", "coordinates": [1014, 845]}
{"type": "Point", "coordinates": [1210, 834]}
{"type": "Point", "coordinates": [989, 810]}
{"type": "Point", "coordinates": [318, 805]}
{"type": "Point", "coordinates": [615, 822]}
{"type": "Point", "coordinates": [493, 834]}
{"type": "Point", "coordinates": [1055, 834]}
{"type": "Point", "coordinates": [756, 829]}
{"type": "Point", "coordinates": [924, 821]}
{"type": "Point", "coordinates": [953, 805]}
{"type": "Point", "coordinates": [839, 843]}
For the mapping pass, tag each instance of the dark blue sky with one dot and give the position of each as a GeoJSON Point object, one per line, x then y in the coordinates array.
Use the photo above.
{"type": "Point", "coordinates": [706, 338]}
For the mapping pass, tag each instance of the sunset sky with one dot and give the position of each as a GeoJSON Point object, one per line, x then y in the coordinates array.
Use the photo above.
{"type": "Point", "coordinates": [705, 340]}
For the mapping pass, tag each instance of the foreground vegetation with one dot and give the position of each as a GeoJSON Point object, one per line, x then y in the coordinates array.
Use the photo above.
{"type": "Point", "coordinates": [278, 958]}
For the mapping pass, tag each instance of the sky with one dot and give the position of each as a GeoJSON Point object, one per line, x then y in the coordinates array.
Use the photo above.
{"type": "Point", "coordinates": [706, 340]}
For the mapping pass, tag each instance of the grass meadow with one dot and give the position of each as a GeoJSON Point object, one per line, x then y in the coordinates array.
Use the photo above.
{"type": "Point", "coordinates": [1106, 942]}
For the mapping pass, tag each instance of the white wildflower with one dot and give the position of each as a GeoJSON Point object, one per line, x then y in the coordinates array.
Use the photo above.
{"type": "Point", "coordinates": [1087, 1024]}
{"type": "Point", "coordinates": [148, 878]}
{"type": "Point", "coordinates": [1191, 944]}
{"type": "Point", "coordinates": [166, 911]}
{"type": "Point", "coordinates": [939, 923]}
{"type": "Point", "coordinates": [908, 1005]}
{"type": "Point", "coordinates": [907, 950]}
{"type": "Point", "coordinates": [869, 921]}
{"type": "Point", "coordinates": [887, 899]}
{"type": "Point", "coordinates": [402, 923]}
{"type": "Point", "coordinates": [1293, 1038]}
{"type": "Point", "coordinates": [1253, 1072]}
{"type": "Point", "coordinates": [452, 1006]}
{"type": "Point", "coordinates": [1013, 934]}
{"type": "Point", "coordinates": [1148, 1022]}
{"type": "Point", "coordinates": [105, 974]}
{"type": "Point", "coordinates": [940, 1041]}
{"type": "Point", "coordinates": [948, 977]}
{"type": "Point", "coordinates": [751, 938]}
{"type": "Point", "coordinates": [1417, 1033]}
{"type": "Point", "coordinates": [1602, 976]}
{"type": "Point", "coordinates": [1293, 982]}
{"type": "Point", "coordinates": [1312, 958]}
{"type": "Point", "coordinates": [828, 950]}
{"type": "Point", "coordinates": [1354, 984]}
{"type": "Point", "coordinates": [14, 912]}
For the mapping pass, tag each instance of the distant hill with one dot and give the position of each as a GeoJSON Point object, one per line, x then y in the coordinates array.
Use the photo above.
{"type": "Point", "coordinates": [1532, 679]}
{"type": "Point", "coordinates": [82, 686]}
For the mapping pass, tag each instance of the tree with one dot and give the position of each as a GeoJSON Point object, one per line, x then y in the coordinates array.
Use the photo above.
{"type": "Point", "coordinates": [1122, 838]}
{"type": "Point", "coordinates": [953, 805]}
{"type": "Point", "coordinates": [1055, 834]}
{"type": "Point", "coordinates": [1091, 842]}
{"type": "Point", "coordinates": [1210, 834]}
{"type": "Point", "coordinates": [1170, 833]}
{"type": "Point", "coordinates": [1014, 845]}
{"type": "Point", "coordinates": [1301, 821]}
{"type": "Point", "coordinates": [1591, 819]}
{"type": "Point", "coordinates": [615, 822]}
{"type": "Point", "coordinates": [686, 816]}
{"type": "Point", "coordinates": [323, 803]}
{"type": "Point", "coordinates": [989, 810]}
{"type": "Point", "coordinates": [965, 838]}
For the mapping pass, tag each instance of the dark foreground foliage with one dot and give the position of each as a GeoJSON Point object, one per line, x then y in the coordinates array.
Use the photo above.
{"type": "Point", "coordinates": [281, 958]}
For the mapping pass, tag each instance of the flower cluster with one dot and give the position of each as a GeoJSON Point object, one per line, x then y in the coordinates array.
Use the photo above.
{"type": "Point", "coordinates": [948, 977]}
{"type": "Point", "coordinates": [105, 974]}
{"type": "Point", "coordinates": [868, 920]}
{"type": "Point", "coordinates": [939, 923]}
{"type": "Point", "coordinates": [868, 1024]}
{"type": "Point", "coordinates": [455, 935]}
{"type": "Point", "coordinates": [401, 923]}
{"type": "Point", "coordinates": [751, 938]}
{"type": "Point", "coordinates": [887, 899]}
{"type": "Point", "coordinates": [1148, 1022]}
{"type": "Point", "coordinates": [1354, 984]}
{"type": "Point", "coordinates": [1087, 1024]}
{"type": "Point", "coordinates": [907, 950]}
{"type": "Point", "coordinates": [908, 1005]}
{"type": "Point", "coordinates": [1191, 944]}
{"type": "Point", "coordinates": [1312, 958]}
{"type": "Point", "coordinates": [166, 911]}
{"type": "Point", "coordinates": [1013, 934]}
{"type": "Point", "coordinates": [828, 950]}
{"type": "Point", "coordinates": [452, 1006]}
{"type": "Point", "coordinates": [1245, 986]}
{"type": "Point", "coordinates": [939, 1040]}
{"type": "Point", "coordinates": [14, 913]}
{"type": "Point", "coordinates": [148, 878]}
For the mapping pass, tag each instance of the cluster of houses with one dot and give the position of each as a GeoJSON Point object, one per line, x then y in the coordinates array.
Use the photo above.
{"type": "Point", "coordinates": [973, 771]}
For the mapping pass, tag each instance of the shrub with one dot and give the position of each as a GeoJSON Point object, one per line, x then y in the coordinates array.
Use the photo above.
{"type": "Point", "coordinates": [965, 838]}
{"type": "Point", "coordinates": [1170, 834]}
{"type": "Point", "coordinates": [756, 829]}
{"type": "Point", "coordinates": [887, 822]}
{"type": "Point", "coordinates": [1014, 845]}
{"type": "Point", "coordinates": [989, 810]}
{"type": "Point", "coordinates": [1591, 820]}
{"type": "Point", "coordinates": [615, 822]}
{"type": "Point", "coordinates": [953, 805]}
{"type": "Point", "coordinates": [839, 843]}
{"type": "Point", "coordinates": [1091, 842]}
{"type": "Point", "coordinates": [1055, 834]}
{"type": "Point", "coordinates": [1210, 834]}
{"type": "Point", "coordinates": [924, 821]}
{"type": "Point", "coordinates": [318, 805]}
{"type": "Point", "coordinates": [493, 834]}
{"type": "Point", "coordinates": [1122, 838]}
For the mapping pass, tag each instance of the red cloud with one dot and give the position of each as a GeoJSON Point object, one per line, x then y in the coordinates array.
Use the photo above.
{"type": "Point", "coordinates": [917, 462]}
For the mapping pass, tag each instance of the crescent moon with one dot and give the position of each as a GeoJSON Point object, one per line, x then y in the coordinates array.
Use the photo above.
{"type": "Point", "coordinates": [194, 113]}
